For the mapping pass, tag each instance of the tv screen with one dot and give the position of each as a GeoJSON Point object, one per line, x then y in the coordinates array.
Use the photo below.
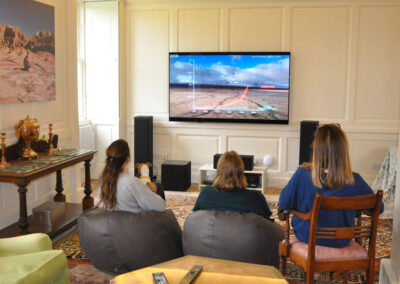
{"type": "Point", "coordinates": [229, 87]}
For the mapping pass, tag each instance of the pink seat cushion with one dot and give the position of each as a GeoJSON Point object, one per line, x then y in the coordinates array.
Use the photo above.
{"type": "Point", "coordinates": [353, 250]}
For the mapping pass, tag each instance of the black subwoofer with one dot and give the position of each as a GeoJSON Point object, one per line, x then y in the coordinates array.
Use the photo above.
{"type": "Point", "coordinates": [176, 175]}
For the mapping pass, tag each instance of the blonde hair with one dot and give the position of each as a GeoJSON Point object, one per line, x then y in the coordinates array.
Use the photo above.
{"type": "Point", "coordinates": [330, 161]}
{"type": "Point", "coordinates": [230, 173]}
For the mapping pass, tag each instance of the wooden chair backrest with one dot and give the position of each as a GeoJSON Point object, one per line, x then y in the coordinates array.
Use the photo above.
{"type": "Point", "coordinates": [369, 203]}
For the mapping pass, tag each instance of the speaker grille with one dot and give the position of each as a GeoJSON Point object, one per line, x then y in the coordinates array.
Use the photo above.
{"type": "Point", "coordinates": [307, 130]}
{"type": "Point", "coordinates": [143, 140]}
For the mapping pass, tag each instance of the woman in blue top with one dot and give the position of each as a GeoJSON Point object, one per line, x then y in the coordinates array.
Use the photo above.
{"type": "Point", "coordinates": [330, 174]}
{"type": "Point", "coordinates": [229, 192]}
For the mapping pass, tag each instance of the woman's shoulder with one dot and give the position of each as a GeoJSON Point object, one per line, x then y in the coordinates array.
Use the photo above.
{"type": "Point", "coordinates": [253, 193]}
{"type": "Point", "coordinates": [127, 179]}
{"type": "Point", "coordinates": [301, 171]}
{"type": "Point", "coordinates": [208, 189]}
{"type": "Point", "coordinates": [304, 168]}
{"type": "Point", "coordinates": [358, 180]}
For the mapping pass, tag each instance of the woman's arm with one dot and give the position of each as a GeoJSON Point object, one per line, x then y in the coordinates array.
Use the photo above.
{"type": "Point", "coordinates": [365, 189]}
{"type": "Point", "coordinates": [200, 199]}
{"type": "Point", "coordinates": [265, 211]}
{"type": "Point", "coordinates": [146, 199]}
{"type": "Point", "coordinates": [287, 199]}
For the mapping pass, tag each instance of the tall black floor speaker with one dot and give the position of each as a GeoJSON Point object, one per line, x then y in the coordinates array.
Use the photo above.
{"type": "Point", "coordinates": [143, 140]}
{"type": "Point", "coordinates": [307, 130]}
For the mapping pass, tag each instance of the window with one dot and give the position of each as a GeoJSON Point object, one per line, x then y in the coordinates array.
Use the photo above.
{"type": "Point", "coordinates": [98, 71]}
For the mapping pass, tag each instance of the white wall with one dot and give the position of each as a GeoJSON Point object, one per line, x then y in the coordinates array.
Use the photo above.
{"type": "Point", "coordinates": [345, 68]}
{"type": "Point", "coordinates": [63, 113]}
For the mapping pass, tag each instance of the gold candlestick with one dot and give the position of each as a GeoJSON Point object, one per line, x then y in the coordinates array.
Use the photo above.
{"type": "Point", "coordinates": [51, 147]}
{"type": "Point", "coordinates": [3, 162]}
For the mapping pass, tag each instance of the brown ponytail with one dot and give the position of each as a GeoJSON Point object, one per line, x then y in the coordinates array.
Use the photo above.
{"type": "Point", "coordinates": [117, 153]}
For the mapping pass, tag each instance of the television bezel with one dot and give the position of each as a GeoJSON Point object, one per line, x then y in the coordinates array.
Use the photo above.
{"type": "Point", "coordinates": [227, 120]}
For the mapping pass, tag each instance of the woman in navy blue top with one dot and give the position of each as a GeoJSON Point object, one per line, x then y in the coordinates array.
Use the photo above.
{"type": "Point", "coordinates": [229, 192]}
{"type": "Point", "coordinates": [330, 174]}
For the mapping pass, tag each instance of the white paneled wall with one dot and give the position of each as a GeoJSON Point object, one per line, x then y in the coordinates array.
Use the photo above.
{"type": "Point", "coordinates": [378, 57]}
{"type": "Point", "coordinates": [62, 112]}
{"type": "Point", "coordinates": [319, 41]}
{"type": "Point", "coordinates": [144, 69]}
{"type": "Point", "coordinates": [242, 20]}
{"type": "Point", "coordinates": [195, 37]}
{"type": "Point", "coordinates": [345, 68]}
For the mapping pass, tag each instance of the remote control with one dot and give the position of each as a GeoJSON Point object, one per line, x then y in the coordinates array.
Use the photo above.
{"type": "Point", "coordinates": [159, 278]}
{"type": "Point", "coordinates": [192, 274]}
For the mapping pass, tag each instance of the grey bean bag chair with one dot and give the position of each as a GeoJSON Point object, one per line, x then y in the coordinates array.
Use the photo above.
{"type": "Point", "coordinates": [117, 242]}
{"type": "Point", "coordinates": [245, 237]}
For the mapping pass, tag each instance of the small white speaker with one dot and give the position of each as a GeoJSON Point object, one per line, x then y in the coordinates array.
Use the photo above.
{"type": "Point", "coordinates": [268, 160]}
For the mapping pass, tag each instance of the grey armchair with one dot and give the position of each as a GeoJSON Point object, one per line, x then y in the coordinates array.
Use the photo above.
{"type": "Point", "coordinates": [245, 237]}
{"type": "Point", "coordinates": [117, 241]}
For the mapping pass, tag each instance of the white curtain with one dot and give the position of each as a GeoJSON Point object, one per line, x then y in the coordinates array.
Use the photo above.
{"type": "Point", "coordinates": [386, 181]}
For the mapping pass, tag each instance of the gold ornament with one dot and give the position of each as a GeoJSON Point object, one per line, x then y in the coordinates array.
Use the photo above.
{"type": "Point", "coordinates": [3, 162]}
{"type": "Point", "coordinates": [28, 131]}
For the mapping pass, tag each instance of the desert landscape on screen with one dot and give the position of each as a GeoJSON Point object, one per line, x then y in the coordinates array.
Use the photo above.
{"type": "Point", "coordinates": [220, 86]}
{"type": "Point", "coordinates": [235, 103]}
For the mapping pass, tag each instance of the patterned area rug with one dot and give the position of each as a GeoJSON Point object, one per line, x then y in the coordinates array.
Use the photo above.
{"type": "Point", "coordinates": [87, 274]}
{"type": "Point", "coordinates": [182, 203]}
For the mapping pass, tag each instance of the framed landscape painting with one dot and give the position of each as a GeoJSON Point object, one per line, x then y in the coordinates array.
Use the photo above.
{"type": "Point", "coordinates": [27, 52]}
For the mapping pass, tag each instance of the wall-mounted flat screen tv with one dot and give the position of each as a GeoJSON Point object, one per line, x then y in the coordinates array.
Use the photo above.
{"type": "Point", "coordinates": [229, 87]}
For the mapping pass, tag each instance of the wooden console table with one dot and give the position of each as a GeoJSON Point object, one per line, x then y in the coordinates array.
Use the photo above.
{"type": "Point", "coordinates": [22, 172]}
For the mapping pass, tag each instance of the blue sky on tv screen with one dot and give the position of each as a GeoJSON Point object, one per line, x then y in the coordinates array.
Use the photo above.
{"type": "Point", "coordinates": [230, 70]}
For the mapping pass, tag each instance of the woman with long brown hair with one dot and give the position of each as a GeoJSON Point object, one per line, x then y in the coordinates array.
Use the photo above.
{"type": "Point", "coordinates": [229, 192]}
{"type": "Point", "coordinates": [330, 174]}
{"type": "Point", "coordinates": [122, 191]}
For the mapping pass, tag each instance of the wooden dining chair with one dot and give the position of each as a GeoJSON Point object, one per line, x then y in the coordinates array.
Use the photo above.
{"type": "Point", "coordinates": [314, 258]}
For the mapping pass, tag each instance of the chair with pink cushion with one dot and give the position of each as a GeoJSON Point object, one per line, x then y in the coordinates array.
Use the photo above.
{"type": "Point", "coordinates": [314, 258]}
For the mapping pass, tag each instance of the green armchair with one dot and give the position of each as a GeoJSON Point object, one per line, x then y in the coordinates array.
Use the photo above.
{"type": "Point", "coordinates": [31, 259]}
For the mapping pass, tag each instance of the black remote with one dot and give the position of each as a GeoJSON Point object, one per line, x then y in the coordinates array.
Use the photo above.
{"type": "Point", "coordinates": [192, 274]}
{"type": "Point", "coordinates": [159, 278]}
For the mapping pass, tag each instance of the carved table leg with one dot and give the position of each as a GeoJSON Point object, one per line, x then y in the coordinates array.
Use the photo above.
{"type": "Point", "coordinates": [59, 197]}
{"type": "Point", "coordinates": [88, 201]}
{"type": "Point", "coordinates": [23, 215]}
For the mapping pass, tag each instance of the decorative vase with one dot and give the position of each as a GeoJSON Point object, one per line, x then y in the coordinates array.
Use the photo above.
{"type": "Point", "coordinates": [28, 131]}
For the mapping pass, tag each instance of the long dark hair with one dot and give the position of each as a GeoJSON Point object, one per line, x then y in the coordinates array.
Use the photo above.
{"type": "Point", "coordinates": [117, 153]}
{"type": "Point", "coordinates": [230, 173]}
{"type": "Point", "coordinates": [331, 162]}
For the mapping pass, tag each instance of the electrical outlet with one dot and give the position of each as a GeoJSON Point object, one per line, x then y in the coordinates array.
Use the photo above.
{"type": "Point", "coordinates": [161, 156]}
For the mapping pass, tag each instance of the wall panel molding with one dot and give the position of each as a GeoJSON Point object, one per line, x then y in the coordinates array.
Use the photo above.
{"type": "Point", "coordinates": [247, 28]}
{"type": "Point", "coordinates": [378, 64]}
{"type": "Point", "coordinates": [330, 47]}
{"type": "Point", "coordinates": [320, 37]}
{"type": "Point", "coordinates": [199, 29]}
{"type": "Point", "coordinates": [257, 146]}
